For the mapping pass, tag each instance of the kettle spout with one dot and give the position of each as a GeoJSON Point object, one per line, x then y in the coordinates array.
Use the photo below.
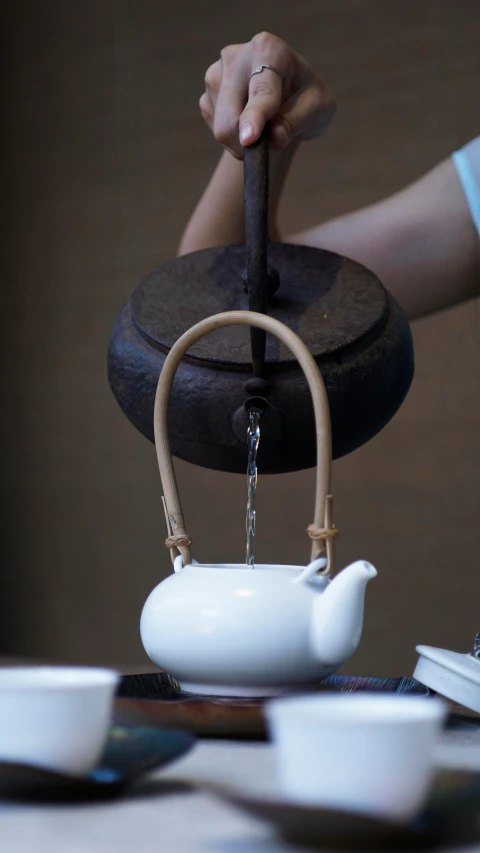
{"type": "Point", "coordinates": [337, 616]}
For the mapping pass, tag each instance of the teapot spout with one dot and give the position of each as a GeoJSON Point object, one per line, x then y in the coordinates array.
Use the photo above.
{"type": "Point", "coordinates": [337, 616]}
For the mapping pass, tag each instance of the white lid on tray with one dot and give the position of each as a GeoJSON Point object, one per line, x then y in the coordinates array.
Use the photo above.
{"type": "Point", "coordinates": [452, 674]}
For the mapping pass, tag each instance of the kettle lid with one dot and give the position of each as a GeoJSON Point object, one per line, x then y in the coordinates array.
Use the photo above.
{"type": "Point", "coordinates": [331, 302]}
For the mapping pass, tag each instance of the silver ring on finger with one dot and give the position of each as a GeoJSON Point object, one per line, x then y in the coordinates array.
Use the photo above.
{"type": "Point", "coordinates": [268, 67]}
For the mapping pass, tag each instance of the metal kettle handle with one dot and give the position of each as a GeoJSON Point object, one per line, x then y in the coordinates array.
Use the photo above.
{"type": "Point", "coordinates": [256, 195]}
{"type": "Point", "coordinates": [322, 531]}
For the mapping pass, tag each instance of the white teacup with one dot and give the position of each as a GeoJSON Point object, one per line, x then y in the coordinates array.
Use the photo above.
{"type": "Point", "coordinates": [55, 717]}
{"type": "Point", "coordinates": [366, 753]}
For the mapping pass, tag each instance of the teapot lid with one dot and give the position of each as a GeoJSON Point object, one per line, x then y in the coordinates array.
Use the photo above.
{"type": "Point", "coordinates": [452, 674]}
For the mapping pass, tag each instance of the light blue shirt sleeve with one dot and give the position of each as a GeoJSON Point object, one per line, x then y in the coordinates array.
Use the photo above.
{"type": "Point", "coordinates": [467, 163]}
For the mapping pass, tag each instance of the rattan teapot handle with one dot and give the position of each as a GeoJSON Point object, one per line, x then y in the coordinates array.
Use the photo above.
{"type": "Point", "coordinates": [322, 531]}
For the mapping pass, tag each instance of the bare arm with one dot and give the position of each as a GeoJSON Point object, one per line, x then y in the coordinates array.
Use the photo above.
{"type": "Point", "coordinates": [218, 218]}
{"type": "Point", "coordinates": [421, 242]}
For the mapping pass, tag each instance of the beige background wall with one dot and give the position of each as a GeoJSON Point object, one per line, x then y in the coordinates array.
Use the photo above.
{"type": "Point", "coordinates": [104, 156]}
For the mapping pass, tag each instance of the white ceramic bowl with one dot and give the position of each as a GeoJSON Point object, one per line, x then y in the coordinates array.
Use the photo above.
{"type": "Point", "coordinates": [55, 717]}
{"type": "Point", "coordinates": [371, 753]}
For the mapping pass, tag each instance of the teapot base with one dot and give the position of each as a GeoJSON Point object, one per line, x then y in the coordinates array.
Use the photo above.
{"type": "Point", "coordinates": [231, 691]}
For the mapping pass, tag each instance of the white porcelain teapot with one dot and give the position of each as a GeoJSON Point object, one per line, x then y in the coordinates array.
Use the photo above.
{"type": "Point", "coordinates": [236, 630]}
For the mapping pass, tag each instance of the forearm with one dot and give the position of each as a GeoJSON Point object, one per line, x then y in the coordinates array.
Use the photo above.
{"type": "Point", "coordinates": [218, 218]}
{"type": "Point", "coordinates": [421, 243]}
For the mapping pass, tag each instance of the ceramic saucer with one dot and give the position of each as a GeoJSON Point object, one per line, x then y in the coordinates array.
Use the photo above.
{"type": "Point", "coordinates": [130, 754]}
{"type": "Point", "coordinates": [450, 816]}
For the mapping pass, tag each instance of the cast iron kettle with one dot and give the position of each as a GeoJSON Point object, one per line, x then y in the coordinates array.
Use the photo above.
{"type": "Point", "coordinates": [357, 333]}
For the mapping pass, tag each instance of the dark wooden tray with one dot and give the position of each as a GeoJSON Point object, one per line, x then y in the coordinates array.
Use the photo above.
{"type": "Point", "coordinates": [156, 698]}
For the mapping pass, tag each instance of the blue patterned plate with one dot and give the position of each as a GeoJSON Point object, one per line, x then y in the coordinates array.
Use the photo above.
{"type": "Point", "coordinates": [130, 753]}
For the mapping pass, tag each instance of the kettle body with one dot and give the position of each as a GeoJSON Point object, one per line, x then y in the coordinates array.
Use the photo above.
{"type": "Point", "coordinates": [357, 333]}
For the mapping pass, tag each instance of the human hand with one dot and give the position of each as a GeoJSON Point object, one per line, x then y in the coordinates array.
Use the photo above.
{"type": "Point", "coordinates": [293, 98]}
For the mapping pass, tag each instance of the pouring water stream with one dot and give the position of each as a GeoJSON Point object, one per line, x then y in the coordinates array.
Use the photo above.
{"type": "Point", "coordinates": [253, 439]}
